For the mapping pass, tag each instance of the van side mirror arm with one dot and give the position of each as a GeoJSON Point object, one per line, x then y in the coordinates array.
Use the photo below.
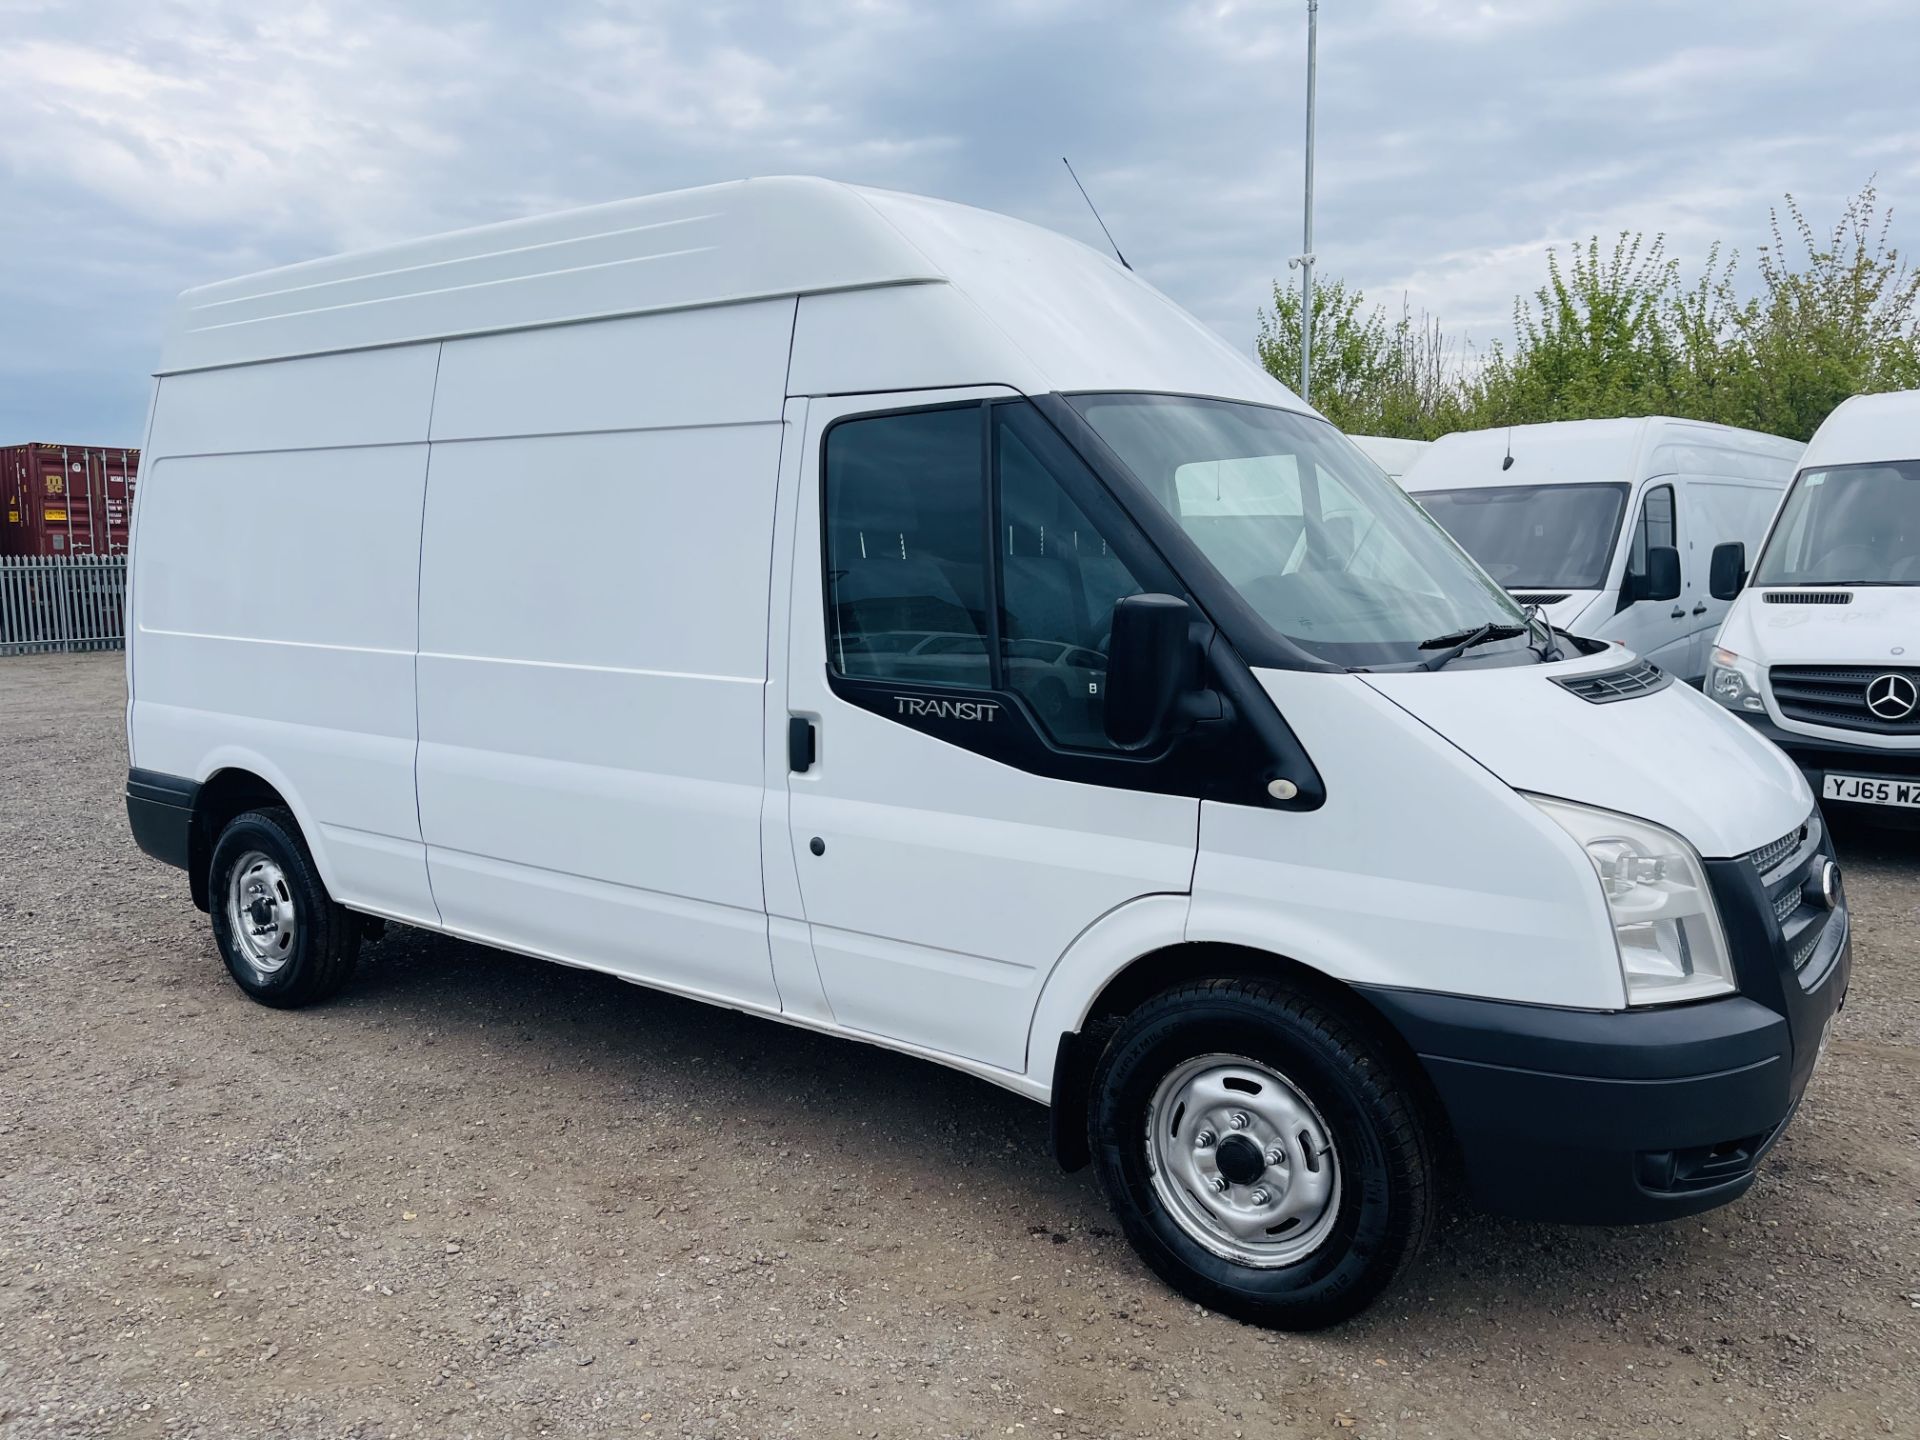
{"type": "Point", "coordinates": [1200, 707]}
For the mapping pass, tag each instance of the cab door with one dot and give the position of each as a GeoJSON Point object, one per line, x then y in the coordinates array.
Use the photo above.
{"type": "Point", "coordinates": [955, 813]}
{"type": "Point", "coordinates": [1719, 509]}
{"type": "Point", "coordinates": [1661, 629]}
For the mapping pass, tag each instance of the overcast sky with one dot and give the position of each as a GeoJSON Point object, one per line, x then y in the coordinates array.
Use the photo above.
{"type": "Point", "coordinates": [149, 145]}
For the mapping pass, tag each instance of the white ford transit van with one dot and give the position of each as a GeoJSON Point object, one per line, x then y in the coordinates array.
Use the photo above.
{"type": "Point", "coordinates": [1821, 651]}
{"type": "Point", "coordinates": [1607, 525]}
{"type": "Point", "coordinates": [900, 621]}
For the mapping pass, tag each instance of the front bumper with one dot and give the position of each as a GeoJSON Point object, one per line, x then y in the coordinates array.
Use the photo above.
{"type": "Point", "coordinates": [1624, 1117]}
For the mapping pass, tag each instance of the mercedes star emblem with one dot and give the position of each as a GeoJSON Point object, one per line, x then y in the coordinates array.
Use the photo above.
{"type": "Point", "coordinates": [1892, 696]}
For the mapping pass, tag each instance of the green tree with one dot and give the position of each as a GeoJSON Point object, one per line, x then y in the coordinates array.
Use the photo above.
{"type": "Point", "coordinates": [1844, 320]}
{"type": "Point", "coordinates": [1617, 330]}
{"type": "Point", "coordinates": [1370, 376]}
{"type": "Point", "coordinates": [1349, 349]}
{"type": "Point", "coordinates": [1592, 343]}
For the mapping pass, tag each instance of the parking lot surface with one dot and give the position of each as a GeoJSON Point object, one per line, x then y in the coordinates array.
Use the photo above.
{"type": "Point", "coordinates": [482, 1195]}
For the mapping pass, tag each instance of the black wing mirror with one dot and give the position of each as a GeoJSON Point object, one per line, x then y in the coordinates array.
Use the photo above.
{"type": "Point", "coordinates": [1152, 667]}
{"type": "Point", "coordinates": [1663, 574]}
{"type": "Point", "coordinates": [1728, 572]}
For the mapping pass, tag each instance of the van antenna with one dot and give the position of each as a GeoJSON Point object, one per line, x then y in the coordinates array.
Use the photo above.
{"type": "Point", "coordinates": [1507, 464]}
{"type": "Point", "coordinates": [1096, 213]}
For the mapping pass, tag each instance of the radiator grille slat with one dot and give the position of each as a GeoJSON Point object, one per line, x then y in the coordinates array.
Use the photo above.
{"type": "Point", "coordinates": [1785, 866]}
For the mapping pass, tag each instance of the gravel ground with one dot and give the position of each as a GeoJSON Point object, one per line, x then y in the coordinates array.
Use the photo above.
{"type": "Point", "coordinates": [479, 1195]}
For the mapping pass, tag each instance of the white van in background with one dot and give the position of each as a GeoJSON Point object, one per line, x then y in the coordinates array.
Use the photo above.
{"type": "Point", "coordinates": [889, 618]}
{"type": "Point", "coordinates": [1821, 651]}
{"type": "Point", "coordinates": [1391, 454]}
{"type": "Point", "coordinates": [1607, 525]}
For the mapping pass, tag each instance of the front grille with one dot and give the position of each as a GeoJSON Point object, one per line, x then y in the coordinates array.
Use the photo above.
{"type": "Point", "coordinates": [1804, 952]}
{"type": "Point", "coordinates": [1768, 856]}
{"type": "Point", "coordinates": [1642, 677]}
{"type": "Point", "coordinates": [1839, 696]}
{"type": "Point", "coordinates": [1540, 597]}
{"type": "Point", "coordinates": [1785, 866]}
{"type": "Point", "coordinates": [1807, 597]}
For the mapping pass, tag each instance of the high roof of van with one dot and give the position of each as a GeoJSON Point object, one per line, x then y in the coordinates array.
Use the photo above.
{"type": "Point", "coordinates": [1567, 452]}
{"type": "Point", "coordinates": [1039, 309]}
{"type": "Point", "coordinates": [1868, 428]}
{"type": "Point", "coordinates": [1391, 454]}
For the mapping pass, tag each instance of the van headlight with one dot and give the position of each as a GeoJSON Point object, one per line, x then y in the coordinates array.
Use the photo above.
{"type": "Point", "coordinates": [1734, 682]}
{"type": "Point", "coordinates": [1665, 923]}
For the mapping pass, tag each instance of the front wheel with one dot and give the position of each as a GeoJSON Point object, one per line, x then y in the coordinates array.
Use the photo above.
{"type": "Point", "coordinates": [285, 941]}
{"type": "Point", "coordinates": [1262, 1156]}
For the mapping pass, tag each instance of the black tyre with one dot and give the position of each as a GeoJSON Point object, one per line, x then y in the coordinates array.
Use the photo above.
{"type": "Point", "coordinates": [285, 941]}
{"type": "Point", "coordinates": [1263, 1157]}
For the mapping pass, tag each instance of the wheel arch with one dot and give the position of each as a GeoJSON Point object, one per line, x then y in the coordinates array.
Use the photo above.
{"type": "Point", "coordinates": [229, 791]}
{"type": "Point", "coordinates": [1075, 1049]}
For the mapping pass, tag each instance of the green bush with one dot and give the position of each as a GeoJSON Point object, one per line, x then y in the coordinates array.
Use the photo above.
{"type": "Point", "coordinates": [1619, 331]}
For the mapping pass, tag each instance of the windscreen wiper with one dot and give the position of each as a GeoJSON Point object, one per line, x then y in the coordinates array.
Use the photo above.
{"type": "Point", "coordinates": [1458, 642]}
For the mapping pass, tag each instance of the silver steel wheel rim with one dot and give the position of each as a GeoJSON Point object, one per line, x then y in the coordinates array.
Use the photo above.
{"type": "Point", "coordinates": [1200, 1124]}
{"type": "Point", "coordinates": [261, 913]}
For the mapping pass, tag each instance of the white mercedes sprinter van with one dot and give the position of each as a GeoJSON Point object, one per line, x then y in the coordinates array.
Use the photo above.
{"type": "Point", "coordinates": [1821, 651]}
{"type": "Point", "coordinates": [1607, 525]}
{"type": "Point", "coordinates": [900, 621]}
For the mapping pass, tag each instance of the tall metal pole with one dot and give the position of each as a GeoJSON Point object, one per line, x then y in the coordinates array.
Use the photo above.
{"type": "Point", "coordinates": [1306, 241]}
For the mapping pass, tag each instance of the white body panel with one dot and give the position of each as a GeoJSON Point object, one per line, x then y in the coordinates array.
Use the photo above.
{"type": "Point", "coordinates": [1669, 757]}
{"type": "Point", "coordinates": [499, 556]}
{"type": "Point", "coordinates": [1389, 882]}
{"type": "Point", "coordinates": [1393, 455]}
{"type": "Point", "coordinates": [286, 669]}
{"type": "Point", "coordinates": [1879, 624]}
{"type": "Point", "coordinates": [950, 883]}
{"type": "Point", "coordinates": [1727, 483]}
{"type": "Point", "coordinates": [716, 245]}
{"type": "Point", "coordinates": [1867, 429]}
{"type": "Point", "coordinates": [593, 612]}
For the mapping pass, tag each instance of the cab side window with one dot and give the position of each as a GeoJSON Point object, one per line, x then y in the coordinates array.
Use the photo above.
{"type": "Point", "coordinates": [905, 532]}
{"type": "Point", "coordinates": [1655, 528]}
{"type": "Point", "coordinates": [923, 587]}
{"type": "Point", "coordinates": [1059, 579]}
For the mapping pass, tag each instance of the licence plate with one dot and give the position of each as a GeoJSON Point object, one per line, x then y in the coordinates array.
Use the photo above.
{"type": "Point", "coordinates": [1865, 790]}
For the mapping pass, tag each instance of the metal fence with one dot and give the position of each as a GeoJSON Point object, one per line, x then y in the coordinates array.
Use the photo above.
{"type": "Point", "coordinates": [66, 603]}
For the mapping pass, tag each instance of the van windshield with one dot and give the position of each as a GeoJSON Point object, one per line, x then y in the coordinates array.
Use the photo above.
{"type": "Point", "coordinates": [1848, 525]}
{"type": "Point", "coordinates": [1318, 542]}
{"type": "Point", "coordinates": [1534, 537]}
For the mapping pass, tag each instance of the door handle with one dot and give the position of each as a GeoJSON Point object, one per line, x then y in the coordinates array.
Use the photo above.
{"type": "Point", "coordinates": [801, 749]}
{"type": "Point", "coordinates": [1679, 612]}
{"type": "Point", "coordinates": [1701, 608]}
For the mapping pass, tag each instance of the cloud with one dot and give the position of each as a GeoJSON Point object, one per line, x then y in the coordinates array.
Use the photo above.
{"type": "Point", "coordinates": [167, 143]}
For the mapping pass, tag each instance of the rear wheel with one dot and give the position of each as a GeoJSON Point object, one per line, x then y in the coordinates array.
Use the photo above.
{"type": "Point", "coordinates": [1264, 1158]}
{"type": "Point", "coordinates": [285, 941]}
